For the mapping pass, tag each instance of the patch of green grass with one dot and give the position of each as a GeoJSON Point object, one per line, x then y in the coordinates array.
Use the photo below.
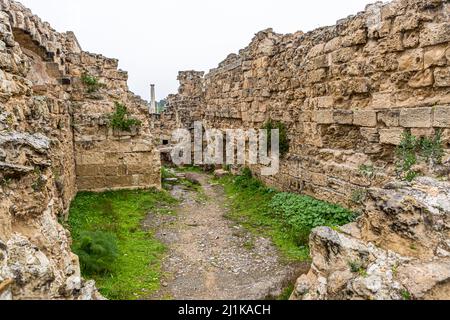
{"type": "Point", "coordinates": [249, 205]}
{"type": "Point", "coordinates": [286, 218]}
{"type": "Point", "coordinates": [136, 272]}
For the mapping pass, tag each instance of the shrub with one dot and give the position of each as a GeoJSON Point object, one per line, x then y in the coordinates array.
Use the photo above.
{"type": "Point", "coordinates": [431, 149]}
{"type": "Point", "coordinates": [284, 140]}
{"type": "Point", "coordinates": [303, 213]}
{"type": "Point", "coordinates": [97, 252]}
{"type": "Point", "coordinates": [406, 152]}
{"type": "Point", "coordinates": [411, 149]}
{"type": "Point", "coordinates": [92, 84]}
{"type": "Point", "coordinates": [120, 119]}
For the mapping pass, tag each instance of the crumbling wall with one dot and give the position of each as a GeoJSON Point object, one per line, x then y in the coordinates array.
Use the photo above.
{"type": "Point", "coordinates": [346, 93]}
{"type": "Point", "coordinates": [106, 158]}
{"type": "Point", "coordinates": [54, 141]}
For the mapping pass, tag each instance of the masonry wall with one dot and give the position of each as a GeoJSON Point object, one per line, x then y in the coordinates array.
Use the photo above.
{"type": "Point", "coordinates": [347, 93]}
{"type": "Point", "coordinates": [108, 159]}
{"type": "Point", "coordinates": [54, 141]}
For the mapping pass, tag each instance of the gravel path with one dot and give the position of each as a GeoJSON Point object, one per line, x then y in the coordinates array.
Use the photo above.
{"type": "Point", "coordinates": [210, 257]}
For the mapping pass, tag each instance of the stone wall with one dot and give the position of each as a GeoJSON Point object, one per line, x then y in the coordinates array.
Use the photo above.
{"type": "Point", "coordinates": [54, 141]}
{"type": "Point", "coordinates": [106, 158]}
{"type": "Point", "coordinates": [347, 93]}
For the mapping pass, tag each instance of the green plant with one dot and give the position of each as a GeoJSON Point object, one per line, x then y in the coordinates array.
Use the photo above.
{"type": "Point", "coordinates": [406, 295]}
{"type": "Point", "coordinates": [248, 205]}
{"type": "Point", "coordinates": [432, 148]}
{"type": "Point", "coordinates": [406, 152]}
{"type": "Point", "coordinates": [97, 252]}
{"type": "Point", "coordinates": [358, 267]}
{"type": "Point", "coordinates": [412, 148]}
{"type": "Point", "coordinates": [283, 134]}
{"type": "Point", "coordinates": [120, 119]}
{"type": "Point", "coordinates": [92, 84]}
{"type": "Point", "coordinates": [303, 213]}
{"type": "Point", "coordinates": [367, 170]}
{"type": "Point", "coordinates": [359, 196]}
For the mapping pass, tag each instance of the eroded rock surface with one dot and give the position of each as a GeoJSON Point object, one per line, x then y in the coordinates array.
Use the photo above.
{"type": "Point", "coordinates": [398, 249]}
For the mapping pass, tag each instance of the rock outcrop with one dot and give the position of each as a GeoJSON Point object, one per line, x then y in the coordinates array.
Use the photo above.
{"type": "Point", "coordinates": [55, 140]}
{"type": "Point", "coordinates": [399, 248]}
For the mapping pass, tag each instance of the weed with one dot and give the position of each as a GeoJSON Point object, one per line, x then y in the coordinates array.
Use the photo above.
{"type": "Point", "coordinates": [359, 196]}
{"type": "Point", "coordinates": [120, 119]}
{"type": "Point", "coordinates": [367, 170]}
{"type": "Point", "coordinates": [92, 84]}
{"type": "Point", "coordinates": [406, 295]}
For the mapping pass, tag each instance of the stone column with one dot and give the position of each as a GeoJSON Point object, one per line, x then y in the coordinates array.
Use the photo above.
{"type": "Point", "coordinates": [153, 108]}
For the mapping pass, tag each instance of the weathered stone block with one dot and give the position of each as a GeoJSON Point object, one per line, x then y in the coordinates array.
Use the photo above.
{"type": "Point", "coordinates": [390, 118]}
{"type": "Point", "coordinates": [434, 33]}
{"type": "Point", "coordinates": [435, 57]}
{"type": "Point", "coordinates": [370, 134]}
{"type": "Point", "coordinates": [365, 118]}
{"type": "Point", "coordinates": [325, 102]}
{"type": "Point", "coordinates": [110, 170]}
{"type": "Point", "coordinates": [422, 79]}
{"type": "Point", "coordinates": [391, 136]}
{"type": "Point", "coordinates": [411, 60]}
{"type": "Point", "coordinates": [441, 117]}
{"type": "Point", "coordinates": [382, 100]}
{"type": "Point", "coordinates": [89, 158]}
{"type": "Point", "coordinates": [323, 116]}
{"type": "Point", "coordinates": [343, 117]}
{"type": "Point", "coordinates": [88, 170]}
{"type": "Point", "coordinates": [442, 77]}
{"type": "Point", "coordinates": [416, 118]}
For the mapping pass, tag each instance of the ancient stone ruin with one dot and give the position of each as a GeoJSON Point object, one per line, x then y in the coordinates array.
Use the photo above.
{"type": "Point", "coordinates": [346, 93]}
{"type": "Point", "coordinates": [55, 141]}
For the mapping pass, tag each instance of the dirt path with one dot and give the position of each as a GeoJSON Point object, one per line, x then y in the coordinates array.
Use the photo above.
{"type": "Point", "coordinates": [210, 257]}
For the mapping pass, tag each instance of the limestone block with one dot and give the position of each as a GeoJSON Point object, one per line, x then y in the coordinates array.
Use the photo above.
{"type": "Point", "coordinates": [88, 170]}
{"type": "Point", "coordinates": [434, 33]}
{"type": "Point", "coordinates": [365, 118]}
{"type": "Point", "coordinates": [343, 117]}
{"type": "Point", "coordinates": [411, 60]}
{"type": "Point", "coordinates": [422, 79]}
{"type": "Point", "coordinates": [411, 39]}
{"type": "Point", "coordinates": [91, 183]}
{"type": "Point", "coordinates": [382, 100]}
{"type": "Point", "coordinates": [442, 77]}
{"type": "Point", "coordinates": [435, 56]}
{"type": "Point", "coordinates": [323, 116]}
{"type": "Point", "coordinates": [325, 102]}
{"type": "Point", "coordinates": [441, 117]}
{"type": "Point", "coordinates": [390, 118]}
{"type": "Point", "coordinates": [370, 134]}
{"type": "Point", "coordinates": [391, 136]}
{"type": "Point", "coordinates": [416, 118]}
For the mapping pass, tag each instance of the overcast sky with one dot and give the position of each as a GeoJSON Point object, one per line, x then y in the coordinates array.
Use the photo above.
{"type": "Point", "coordinates": [154, 39]}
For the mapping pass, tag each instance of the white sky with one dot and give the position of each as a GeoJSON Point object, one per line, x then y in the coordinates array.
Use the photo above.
{"type": "Point", "coordinates": [154, 39]}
